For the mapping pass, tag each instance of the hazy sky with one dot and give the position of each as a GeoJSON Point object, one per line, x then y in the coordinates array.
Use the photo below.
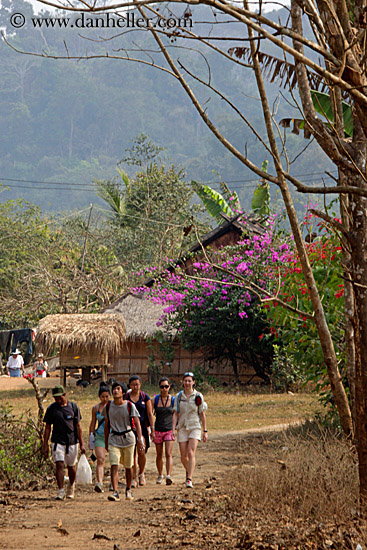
{"type": "Point", "coordinates": [267, 6]}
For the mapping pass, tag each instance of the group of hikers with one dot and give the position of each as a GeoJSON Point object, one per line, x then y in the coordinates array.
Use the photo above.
{"type": "Point", "coordinates": [124, 427]}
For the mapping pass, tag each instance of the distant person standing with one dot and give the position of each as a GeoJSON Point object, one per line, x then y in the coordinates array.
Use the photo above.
{"type": "Point", "coordinates": [63, 417]}
{"type": "Point", "coordinates": [40, 366]}
{"type": "Point", "coordinates": [15, 364]}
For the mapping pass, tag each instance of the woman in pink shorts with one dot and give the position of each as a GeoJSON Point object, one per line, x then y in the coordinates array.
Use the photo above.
{"type": "Point", "coordinates": [164, 436]}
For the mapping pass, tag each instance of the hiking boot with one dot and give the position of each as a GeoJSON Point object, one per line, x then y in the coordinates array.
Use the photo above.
{"type": "Point", "coordinates": [169, 480]}
{"type": "Point", "coordinates": [114, 497]}
{"type": "Point", "coordinates": [160, 480]}
{"type": "Point", "coordinates": [188, 483]}
{"type": "Point", "coordinates": [98, 487]}
{"type": "Point", "coordinates": [129, 494]}
{"type": "Point", "coordinates": [61, 494]}
{"type": "Point", "coordinates": [70, 491]}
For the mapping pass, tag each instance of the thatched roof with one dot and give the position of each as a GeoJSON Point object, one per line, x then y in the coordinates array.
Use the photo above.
{"type": "Point", "coordinates": [140, 314]}
{"type": "Point", "coordinates": [82, 333]}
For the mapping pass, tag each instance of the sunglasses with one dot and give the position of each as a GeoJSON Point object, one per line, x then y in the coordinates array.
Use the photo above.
{"type": "Point", "coordinates": [189, 374]}
{"type": "Point", "coordinates": [167, 386]}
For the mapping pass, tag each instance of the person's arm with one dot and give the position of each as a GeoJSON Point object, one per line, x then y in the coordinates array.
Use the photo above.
{"type": "Point", "coordinates": [150, 416]}
{"type": "Point", "coordinates": [106, 432]}
{"type": "Point", "coordinates": [205, 431]}
{"type": "Point", "coordinates": [46, 437]}
{"type": "Point", "coordinates": [22, 364]}
{"type": "Point", "coordinates": [175, 418]}
{"type": "Point", "coordinates": [140, 439]}
{"type": "Point", "coordinates": [79, 435]}
{"type": "Point", "coordinates": [92, 425]}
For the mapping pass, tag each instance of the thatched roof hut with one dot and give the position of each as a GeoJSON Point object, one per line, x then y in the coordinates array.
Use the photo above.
{"type": "Point", "coordinates": [141, 315]}
{"type": "Point", "coordinates": [87, 339]}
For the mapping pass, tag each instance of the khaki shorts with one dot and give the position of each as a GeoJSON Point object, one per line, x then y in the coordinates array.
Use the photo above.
{"type": "Point", "coordinates": [184, 435]}
{"type": "Point", "coordinates": [121, 455]}
{"type": "Point", "coordinates": [59, 454]}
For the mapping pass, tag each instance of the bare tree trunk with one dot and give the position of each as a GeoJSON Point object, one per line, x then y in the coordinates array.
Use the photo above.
{"type": "Point", "coordinates": [326, 342]}
{"type": "Point", "coordinates": [349, 310]}
{"type": "Point", "coordinates": [359, 257]}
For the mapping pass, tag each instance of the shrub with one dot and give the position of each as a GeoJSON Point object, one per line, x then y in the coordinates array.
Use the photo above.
{"type": "Point", "coordinates": [20, 449]}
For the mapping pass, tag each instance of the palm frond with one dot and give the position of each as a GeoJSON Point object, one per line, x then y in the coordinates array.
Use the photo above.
{"type": "Point", "coordinates": [278, 70]}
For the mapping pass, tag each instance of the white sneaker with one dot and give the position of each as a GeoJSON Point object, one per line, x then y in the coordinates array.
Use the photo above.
{"type": "Point", "coordinates": [160, 480]}
{"type": "Point", "coordinates": [98, 487]}
{"type": "Point", "coordinates": [129, 494]}
{"type": "Point", "coordinates": [169, 480]}
{"type": "Point", "coordinates": [70, 491]}
{"type": "Point", "coordinates": [189, 483]}
{"type": "Point", "coordinates": [61, 494]}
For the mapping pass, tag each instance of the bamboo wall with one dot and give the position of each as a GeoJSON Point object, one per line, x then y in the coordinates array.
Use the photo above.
{"type": "Point", "coordinates": [69, 358]}
{"type": "Point", "coordinates": [134, 360]}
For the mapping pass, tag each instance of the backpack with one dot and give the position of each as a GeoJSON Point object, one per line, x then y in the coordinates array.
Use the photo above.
{"type": "Point", "coordinates": [75, 422]}
{"type": "Point", "coordinates": [129, 408]}
{"type": "Point", "coordinates": [143, 395]}
{"type": "Point", "coordinates": [156, 400]}
{"type": "Point", "coordinates": [198, 401]}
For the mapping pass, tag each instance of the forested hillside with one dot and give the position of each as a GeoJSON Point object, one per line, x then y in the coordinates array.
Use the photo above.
{"type": "Point", "coordinates": [70, 121]}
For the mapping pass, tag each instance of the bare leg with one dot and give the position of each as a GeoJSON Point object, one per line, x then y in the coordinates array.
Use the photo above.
{"type": "Point", "coordinates": [101, 455]}
{"type": "Point", "coordinates": [191, 450]}
{"type": "Point", "coordinates": [72, 474]}
{"type": "Point", "coordinates": [141, 461]}
{"type": "Point", "coordinates": [60, 472]}
{"type": "Point", "coordinates": [159, 458]}
{"type": "Point", "coordinates": [115, 477]}
{"type": "Point", "coordinates": [135, 467]}
{"type": "Point", "coordinates": [168, 447]}
{"type": "Point", "coordinates": [183, 452]}
{"type": "Point", "coordinates": [128, 476]}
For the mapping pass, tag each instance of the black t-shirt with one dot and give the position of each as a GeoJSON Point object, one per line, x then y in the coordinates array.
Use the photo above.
{"type": "Point", "coordinates": [64, 421]}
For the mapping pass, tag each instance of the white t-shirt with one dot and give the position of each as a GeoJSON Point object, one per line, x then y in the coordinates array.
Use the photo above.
{"type": "Point", "coordinates": [15, 362]}
{"type": "Point", "coordinates": [189, 412]}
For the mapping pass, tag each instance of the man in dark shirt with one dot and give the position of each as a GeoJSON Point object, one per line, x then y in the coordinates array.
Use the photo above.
{"type": "Point", "coordinates": [64, 416]}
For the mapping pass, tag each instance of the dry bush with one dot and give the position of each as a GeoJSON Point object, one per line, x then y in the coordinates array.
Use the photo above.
{"type": "Point", "coordinates": [20, 449]}
{"type": "Point", "coordinates": [311, 475]}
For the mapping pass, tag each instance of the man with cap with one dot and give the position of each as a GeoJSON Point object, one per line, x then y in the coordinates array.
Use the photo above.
{"type": "Point", "coordinates": [64, 418]}
{"type": "Point", "coordinates": [15, 364]}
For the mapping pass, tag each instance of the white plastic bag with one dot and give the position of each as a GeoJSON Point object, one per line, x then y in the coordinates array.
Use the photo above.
{"type": "Point", "coordinates": [83, 471]}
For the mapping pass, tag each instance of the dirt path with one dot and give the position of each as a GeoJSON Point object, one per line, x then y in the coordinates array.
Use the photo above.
{"type": "Point", "coordinates": [159, 516]}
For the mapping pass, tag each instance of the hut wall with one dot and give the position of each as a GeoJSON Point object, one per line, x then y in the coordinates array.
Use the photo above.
{"type": "Point", "coordinates": [134, 360]}
{"type": "Point", "coordinates": [70, 358]}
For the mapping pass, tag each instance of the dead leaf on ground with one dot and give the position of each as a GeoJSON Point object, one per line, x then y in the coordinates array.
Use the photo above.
{"type": "Point", "coordinates": [100, 536]}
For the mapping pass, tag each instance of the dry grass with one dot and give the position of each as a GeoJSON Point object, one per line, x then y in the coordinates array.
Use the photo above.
{"type": "Point", "coordinates": [226, 411]}
{"type": "Point", "coordinates": [297, 486]}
